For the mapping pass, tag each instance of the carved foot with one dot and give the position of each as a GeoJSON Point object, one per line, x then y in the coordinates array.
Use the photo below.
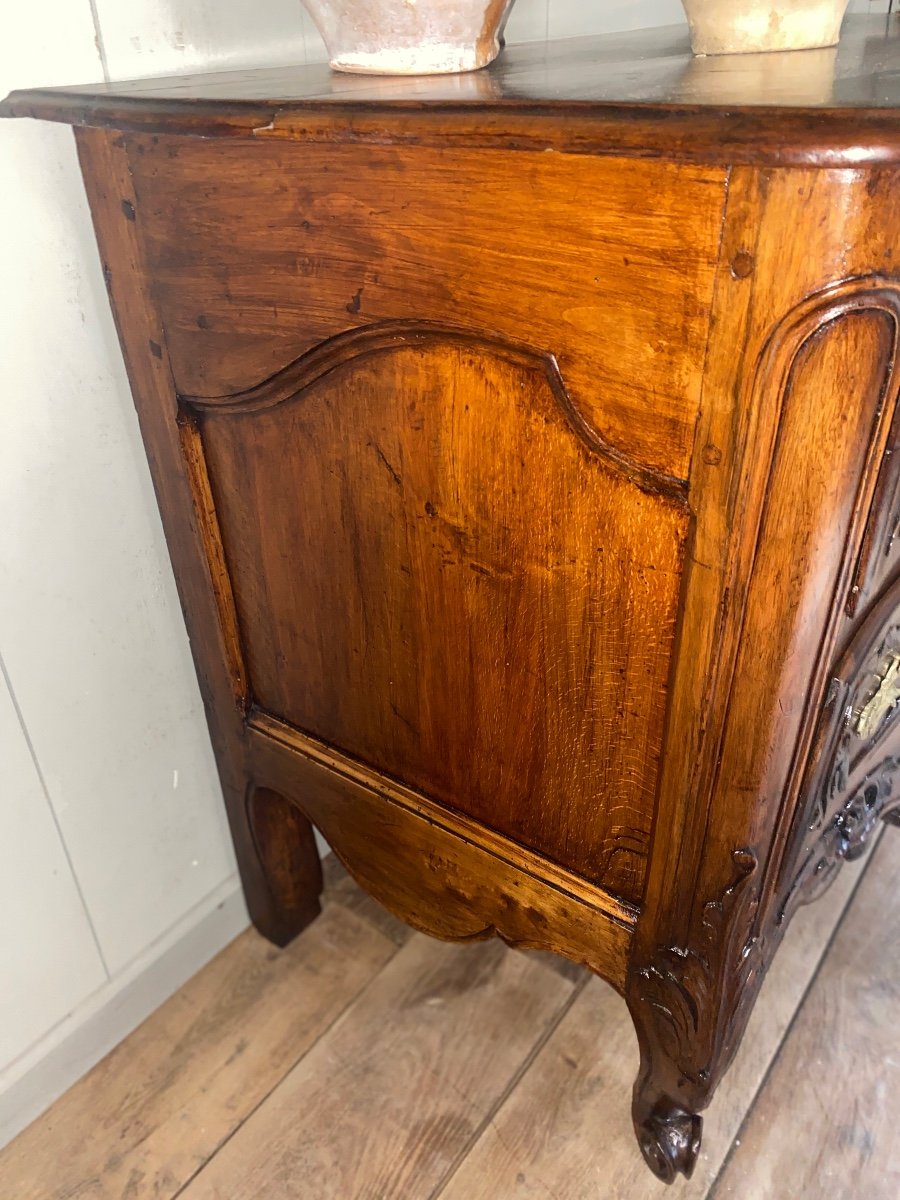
{"type": "Point", "coordinates": [669, 1139]}
{"type": "Point", "coordinates": [690, 1001]}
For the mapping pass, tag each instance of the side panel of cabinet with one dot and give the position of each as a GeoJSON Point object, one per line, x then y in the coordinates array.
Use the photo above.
{"type": "Point", "coordinates": [452, 520]}
{"type": "Point", "coordinates": [260, 251]}
{"type": "Point", "coordinates": [436, 570]}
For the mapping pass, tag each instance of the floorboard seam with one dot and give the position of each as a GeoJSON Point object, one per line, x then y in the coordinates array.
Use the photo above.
{"type": "Point", "coordinates": [523, 1069]}
{"type": "Point", "coordinates": [275, 1086]}
{"type": "Point", "coordinates": [763, 1083]}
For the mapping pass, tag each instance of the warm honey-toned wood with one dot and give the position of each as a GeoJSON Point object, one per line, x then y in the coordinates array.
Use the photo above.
{"type": "Point", "coordinates": [447, 875]}
{"type": "Point", "coordinates": [191, 533]}
{"type": "Point", "coordinates": [527, 465]}
{"type": "Point", "coordinates": [763, 607]}
{"type": "Point", "coordinates": [197, 1055]}
{"type": "Point", "coordinates": [432, 570]}
{"type": "Point", "coordinates": [563, 1131]}
{"type": "Point", "coordinates": [835, 1076]}
{"type": "Point", "coordinates": [345, 891]}
{"type": "Point", "coordinates": [247, 278]}
{"type": "Point", "coordinates": [147, 1117]}
{"type": "Point", "coordinates": [398, 1057]}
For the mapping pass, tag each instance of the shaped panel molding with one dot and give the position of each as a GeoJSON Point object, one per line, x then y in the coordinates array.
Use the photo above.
{"type": "Point", "coordinates": [441, 569]}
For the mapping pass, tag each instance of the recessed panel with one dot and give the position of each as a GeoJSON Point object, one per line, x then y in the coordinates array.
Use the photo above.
{"type": "Point", "coordinates": [438, 569]}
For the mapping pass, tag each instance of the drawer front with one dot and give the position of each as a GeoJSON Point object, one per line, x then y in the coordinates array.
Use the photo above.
{"type": "Point", "coordinates": [440, 563]}
{"type": "Point", "coordinates": [849, 779]}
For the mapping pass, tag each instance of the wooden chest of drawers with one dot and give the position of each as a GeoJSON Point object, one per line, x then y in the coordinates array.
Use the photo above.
{"type": "Point", "coordinates": [525, 447]}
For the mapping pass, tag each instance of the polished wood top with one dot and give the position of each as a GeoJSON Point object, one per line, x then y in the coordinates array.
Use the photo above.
{"type": "Point", "coordinates": [631, 93]}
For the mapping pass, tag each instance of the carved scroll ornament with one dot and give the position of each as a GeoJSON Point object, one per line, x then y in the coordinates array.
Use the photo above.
{"type": "Point", "coordinates": [685, 986]}
{"type": "Point", "coordinates": [691, 997]}
{"type": "Point", "coordinates": [856, 752]}
{"type": "Point", "coordinates": [688, 1001]}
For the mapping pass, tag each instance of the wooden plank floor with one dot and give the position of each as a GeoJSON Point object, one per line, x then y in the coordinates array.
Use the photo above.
{"type": "Point", "coordinates": [367, 1062]}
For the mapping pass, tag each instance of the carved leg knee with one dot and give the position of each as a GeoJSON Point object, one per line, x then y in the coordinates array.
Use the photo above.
{"type": "Point", "coordinates": [690, 998]}
{"type": "Point", "coordinates": [280, 866]}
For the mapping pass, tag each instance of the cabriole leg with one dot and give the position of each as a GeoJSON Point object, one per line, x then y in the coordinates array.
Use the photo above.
{"type": "Point", "coordinates": [664, 1110]}
{"type": "Point", "coordinates": [690, 1003]}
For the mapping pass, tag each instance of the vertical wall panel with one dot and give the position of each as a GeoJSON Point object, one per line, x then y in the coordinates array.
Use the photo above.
{"type": "Point", "coordinates": [153, 37]}
{"type": "Point", "coordinates": [49, 961]}
{"type": "Point", "coordinates": [574, 18]}
{"type": "Point", "coordinates": [89, 622]}
{"type": "Point", "coordinates": [158, 37]}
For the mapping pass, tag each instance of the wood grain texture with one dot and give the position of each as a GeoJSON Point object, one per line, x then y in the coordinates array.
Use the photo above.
{"type": "Point", "coordinates": [826, 1122]}
{"type": "Point", "coordinates": [564, 1131]}
{"type": "Point", "coordinates": [143, 1121]}
{"type": "Point", "coordinates": [827, 108]}
{"type": "Point", "coordinates": [445, 874]}
{"type": "Point", "coordinates": [525, 502]}
{"type": "Point", "coordinates": [880, 554]}
{"type": "Point", "coordinates": [431, 572]}
{"type": "Point", "coordinates": [344, 891]}
{"type": "Point", "coordinates": [607, 943]}
{"type": "Point", "coordinates": [249, 276]}
{"type": "Point", "coordinates": [285, 842]}
{"type": "Point", "coordinates": [709, 925]}
{"type": "Point", "coordinates": [807, 537]}
{"type": "Point", "coordinates": [399, 1057]}
{"type": "Point", "coordinates": [766, 285]}
{"type": "Point", "coordinates": [191, 535]}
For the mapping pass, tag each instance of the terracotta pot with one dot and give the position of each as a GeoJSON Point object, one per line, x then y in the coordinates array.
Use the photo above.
{"type": "Point", "coordinates": [410, 37]}
{"type": "Point", "coordinates": [749, 26]}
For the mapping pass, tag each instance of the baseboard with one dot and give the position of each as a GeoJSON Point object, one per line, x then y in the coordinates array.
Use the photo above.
{"type": "Point", "coordinates": [33, 1081]}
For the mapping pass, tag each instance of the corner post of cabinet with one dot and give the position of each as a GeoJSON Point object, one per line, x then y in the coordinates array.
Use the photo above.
{"type": "Point", "coordinates": [274, 844]}
{"type": "Point", "coordinates": [699, 891]}
{"type": "Point", "coordinates": [778, 531]}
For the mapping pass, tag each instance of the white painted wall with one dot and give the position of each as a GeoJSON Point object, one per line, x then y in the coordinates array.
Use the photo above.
{"type": "Point", "coordinates": [103, 859]}
{"type": "Point", "coordinates": [116, 873]}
